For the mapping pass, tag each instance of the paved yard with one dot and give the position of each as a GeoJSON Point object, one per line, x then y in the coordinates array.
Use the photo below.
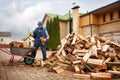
{"type": "Point", "coordinates": [20, 71]}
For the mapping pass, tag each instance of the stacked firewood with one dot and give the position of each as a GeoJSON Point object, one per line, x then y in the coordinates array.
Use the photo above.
{"type": "Point", "coordinates": [19, 44]}
{"type": "Point", "coordinates": [86, 54]}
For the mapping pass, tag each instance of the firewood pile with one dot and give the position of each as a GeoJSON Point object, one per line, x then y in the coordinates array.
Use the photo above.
{"type": "Point", "coordinates": [19, 44]}
{"type": "Point", "coordinates": [94, 56]}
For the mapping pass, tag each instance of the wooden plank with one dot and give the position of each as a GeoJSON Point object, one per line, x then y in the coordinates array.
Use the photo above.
{"type": "Point", "coordinates": [94, 50]}
{"type": "Point", "coordinates": [74, 40]}
{"type": "Point", "coordinates": [76, 68]}
{"type": "Point", "coordinates": [92, 40]}
{"type": "Point", "coordinates": [99, 68]}
{"type": "Point", "coordinates": [95, 62]}
{"type": "Point", "coordinates": [69, 49]}
{"type": "Point", "coordinates": [111, 64]}
{"type": "Point", "coordinates": [81, 37]}
{"type": "Point", "coordinates": [62, 59]}
{"type": "Point", "coordinates": [118, 56]}
{"type": "Point", "coordinates": [114, 72]}
{"type": "Point", "coordinates": [62, 64]}
{"type": "Point", "coordinates": [76, 62]}
{"type": "Point", "coordinates": [64, 53]}
{"type": "Point", "coordinates": [82, 76]}
{"type": "Point", "coordinates": [60, 50]}
{"type": "Point", "coordinates": [78, 58]}
{"type": "Point", "coordinates": [86, 57]}
{"type": "Point", "coordinates": [105, 47]}
{"type": "Point", "coordinates": [100, 75]}
{"type": "Point", "coordinates": [81, 54]}
{"type": "Point", "coordinates": [71, 57]}
{"type": "Point", "coordinates": [58, 69]}
{"type": "Point", "coordinates": [98, 44]}
{"type": "Point", "coordinates": [80, 51]}
{"type": "Point", "coordinates": [107, 60]}
{"type": "Point", "coordinates": [58, 56]}
{"type": "Point", "coordinates": [112, 43]}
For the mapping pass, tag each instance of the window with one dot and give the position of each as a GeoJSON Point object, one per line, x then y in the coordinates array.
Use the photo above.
{"type": "Point", "coordinates": [111, 16]}
{"type": "Point", "coordinates": [119, 14]}
{"type": "Point", "coordinates": [104, 18]}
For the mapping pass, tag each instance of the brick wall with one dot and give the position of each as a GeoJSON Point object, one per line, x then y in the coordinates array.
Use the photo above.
{"type": "Point", "coordinates": [115, 26]}
{"type": "Point", "coordinates": [86, 30]}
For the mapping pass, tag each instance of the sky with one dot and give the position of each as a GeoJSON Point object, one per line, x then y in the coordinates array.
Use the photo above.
{"type": "Point", "coordinates": [19, 16]}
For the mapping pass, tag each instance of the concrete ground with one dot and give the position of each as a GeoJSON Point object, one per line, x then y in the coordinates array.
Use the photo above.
{"type": "Point", "coordinates": [20, 71]}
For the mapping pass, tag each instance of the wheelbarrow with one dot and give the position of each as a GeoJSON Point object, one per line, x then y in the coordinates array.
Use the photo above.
{"type": "Point", "coordinates": [23, 52]}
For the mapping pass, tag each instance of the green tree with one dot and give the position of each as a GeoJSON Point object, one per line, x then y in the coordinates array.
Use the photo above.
{"type": "Point", "coordinates": [53, 29]}
{"type": "Point", "coordinates": [55, 33]}
{"type": "Point", "coordinates": [48, 29]}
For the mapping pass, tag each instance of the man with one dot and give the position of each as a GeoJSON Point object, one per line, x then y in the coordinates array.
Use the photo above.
{"type": "Point", "coordinates": [41, 36]}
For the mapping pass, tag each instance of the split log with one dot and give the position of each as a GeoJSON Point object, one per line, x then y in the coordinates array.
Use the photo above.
{"type": "Point", "coordinates": [111, 64]}
{"type": "Point", "coordinates": [105, 47]}
{"type": "Point", "coordinates": [98, 44]}
{"type": "Point", "coordinates": [71, 57]}
{"type": "Point", "coordinates": [100, 75]}
{"type": "Point", "coordinates": [62, 64]}
{"type": "Point", "coordinates": [114, 72]}
{"type": "Point", "coordinates": [83, 76]}
{"type": "Point", "coordinates": [58, 69]}
{"type": "Point", "coordinates": [78, 57]}
{"type": "Point", "coordinates": [76, 62]}
{"type": "Point", "coordinates": [62, 59]}
{"type": "Point", "coordinates": [107, 60]}
{"type": "Point", "coordinates": [81, 37]}
{"type": "Point", "coordinates": [38, 63]}
{"type": "Point", "coordinates": [63, 44]}
{"type": "Point", "coordinates": [100, 68]}
{"type": "Point", "coordinates": [86, 57]}
{"type": "Point", "coordinates": [95, 62]}
{"type": "Point", "coordinates": [74, 39]}
{"type": "Point", "coordinates": [70, 50]}
{"type": "Point", "coordinates": [92, 40]}
{"type": "Point", "coordinates": [80, 54]}
{"type": "Point", "coordinates": [93, 50]}
{"type": "Point", "coordinates": [80, 51]}
{"type": "Point", "coordinates": [64, 53]}
{"type": "Point", "coordinates": [76, 68]}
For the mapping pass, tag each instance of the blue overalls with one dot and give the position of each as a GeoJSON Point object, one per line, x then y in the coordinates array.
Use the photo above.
{"type": "Point", "coordinates": [37, 34]}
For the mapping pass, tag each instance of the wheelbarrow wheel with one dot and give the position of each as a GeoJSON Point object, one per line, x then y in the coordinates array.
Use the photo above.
{"type": "Point", "coordinates": [28, 60]}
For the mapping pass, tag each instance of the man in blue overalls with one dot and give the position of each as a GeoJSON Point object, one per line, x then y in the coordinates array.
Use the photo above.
{"type": "Point", "coordinates": [38, 33]}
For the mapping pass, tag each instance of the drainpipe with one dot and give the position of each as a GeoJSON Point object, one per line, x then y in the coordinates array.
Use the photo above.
{"type": "Point", "coordinates": [90, 25]}
{"type": "Point", "coordinates": [70, 26]}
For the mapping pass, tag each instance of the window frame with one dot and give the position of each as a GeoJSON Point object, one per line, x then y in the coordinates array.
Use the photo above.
{"type": "Point", "coordinates": [119, 14]}
{"type": "Point", "coordinates": [111, 16]}
{"type": "Point", "coordinates": [104, 17]}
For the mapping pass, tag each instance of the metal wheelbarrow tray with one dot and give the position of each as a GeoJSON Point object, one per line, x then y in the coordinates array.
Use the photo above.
{"type": "Point", "coordinates": [24, 52]}
{"type": "Point", "coordinates": [21, 51]}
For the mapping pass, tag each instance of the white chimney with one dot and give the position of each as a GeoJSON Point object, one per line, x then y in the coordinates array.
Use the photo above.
{"type": "Point", "coordinates": [75, 12]}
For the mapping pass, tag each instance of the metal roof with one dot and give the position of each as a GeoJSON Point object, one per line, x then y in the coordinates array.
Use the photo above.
{"type": "Point", "coordinates": [103, 8]}
{"type": "Point", "coordinates": [5, 34]}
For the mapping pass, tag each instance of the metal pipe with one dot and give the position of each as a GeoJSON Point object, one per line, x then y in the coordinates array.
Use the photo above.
{"type": "Point", "coordinates": [70, 30]}
{"type": "Point", "coordinates": [90, 24]}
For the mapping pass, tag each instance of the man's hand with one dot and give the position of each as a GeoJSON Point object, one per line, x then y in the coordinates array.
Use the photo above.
{"type": "Point", "coordinates": [45, 40]}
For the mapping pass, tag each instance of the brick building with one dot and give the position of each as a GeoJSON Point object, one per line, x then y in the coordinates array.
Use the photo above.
{"type": "Point", "coordinates": [5, 37]}
{"type": "Point", "coordinates": [104, 21]}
